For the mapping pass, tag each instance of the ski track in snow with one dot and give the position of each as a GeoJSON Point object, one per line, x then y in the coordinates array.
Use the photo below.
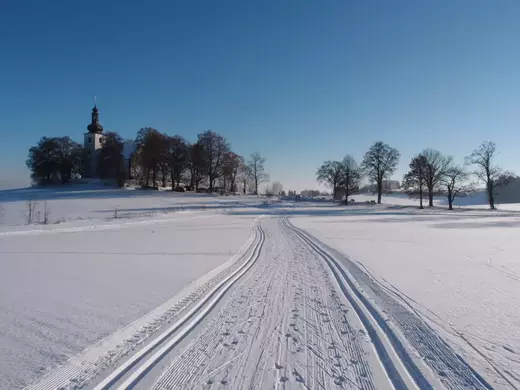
{"type": "Point", "coordinates": [105, 354]}
{"type": "Point", "coordinates": [284, 326]}
{"type": "Point", "coordinates": [300, 315]}
{"type": "Point", "coordinates": [453, 371]}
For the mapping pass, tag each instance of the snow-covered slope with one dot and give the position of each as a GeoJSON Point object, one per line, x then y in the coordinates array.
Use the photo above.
{"type": "Point", "coordinates": [95, 203]}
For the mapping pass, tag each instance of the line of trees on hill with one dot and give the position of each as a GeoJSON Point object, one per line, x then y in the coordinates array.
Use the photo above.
{"type": "Point", "coordinates": [209, 161]}
{"type": "Point", "coordinates": [430, 173]}
{"type": "Point", "coordinates": [157, 158]}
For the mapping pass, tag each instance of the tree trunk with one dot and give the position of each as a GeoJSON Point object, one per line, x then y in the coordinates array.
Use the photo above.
{"type": "Point", "coordinates": [163, 171]}
{"type": "Point", "coordinates": [379, 191]}
{"type": "Point", "coordinates": [430, 197]}
{"type": "Point", "coordinates": [172, 177]}
{"type": "Point", "coordinates": [491, 197]}
{"type": "Point", "coordinates": [154, 177]}
{"type": "Point", "coordinates": [420, 197]}
{"type": "Point", "coordinates": [450, 202]}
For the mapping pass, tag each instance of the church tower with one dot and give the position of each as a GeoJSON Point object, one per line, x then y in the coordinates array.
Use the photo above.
{"type": "Point", "coordinates": [92, 144]}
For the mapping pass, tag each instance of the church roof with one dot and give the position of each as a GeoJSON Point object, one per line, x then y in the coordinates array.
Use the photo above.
{"type": "Point", "coordinates": [95, 126]}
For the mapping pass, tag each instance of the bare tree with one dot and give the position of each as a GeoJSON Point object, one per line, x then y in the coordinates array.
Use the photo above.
{"type": "Point", "coordinates": [330, 174]}
{"type": "Point", "coordinates": [257, 170]}
{"type": "Point", "coordinates": [352, 175]}
{"type": "Point", "coordinates": [379, 163]}
{"type": "Point", "coordinates": [197, 165]}
{"type": "Point", "coordinates": [150, 148]}
{"type": "Point", "coordinates": [31, 212]}
{"type": "Point", "coordinates": [488, 171]}
{"type": "Point", "coordinates": [230, 165]}
{"type": "Point", "coordinates": [436, 166]}
{"type": "Point", "coordinates": [455, 184]}
{"type": "Point", "coordinates": [244, 176]}
{"type": "Point", "coordinates": [414, 180]}
{"type": "Point", "coordinates": [214, 147]}
{"type": "Point", "coordinates": [46, 213]}
{"type": "Point", "coordinates": [177, 158]}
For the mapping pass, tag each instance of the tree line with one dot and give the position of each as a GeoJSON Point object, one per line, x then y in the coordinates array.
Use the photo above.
{"type": "Point", "coordinates": [157, 158]}
{"type": "Point", "coordinates": [430, 173]}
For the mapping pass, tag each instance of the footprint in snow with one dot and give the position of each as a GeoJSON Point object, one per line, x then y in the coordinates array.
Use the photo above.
{"type": "Point", "coordinates": [508, 349]}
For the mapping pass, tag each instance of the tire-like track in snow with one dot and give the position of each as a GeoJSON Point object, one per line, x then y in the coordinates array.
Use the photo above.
{"type": "Point", "coordinates": [452, 371]}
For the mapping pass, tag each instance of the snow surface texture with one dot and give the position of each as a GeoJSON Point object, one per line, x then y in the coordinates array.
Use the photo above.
{"type": "Point", "coordinates": [354, 300]}
{"type": "Point", "coordinates": [60, 293]}
{"type": "Point", "coordinates": [92, 204]}
{"type": "Point", "coordinates": [459, 270]}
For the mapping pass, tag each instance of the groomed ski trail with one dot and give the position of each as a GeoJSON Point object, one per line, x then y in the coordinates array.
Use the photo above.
{"type": "Point", "coordinates": [103, 357]}
{"type": "Point", "coordinates": [292, 313]}
{"type": "Point", "coordinates": [286, 325]}
{"type": "Point", "coordinates": [418, 346]}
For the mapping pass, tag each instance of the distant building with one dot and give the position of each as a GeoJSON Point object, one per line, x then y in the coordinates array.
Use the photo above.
{"type": "Point", "coordinates": [388, 186]}
{"type": "Point", "coordinates": [92, 142]}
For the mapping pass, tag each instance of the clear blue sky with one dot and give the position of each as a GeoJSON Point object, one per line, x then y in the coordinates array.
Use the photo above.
{"type": "Point", "coordinates": [298, 81]}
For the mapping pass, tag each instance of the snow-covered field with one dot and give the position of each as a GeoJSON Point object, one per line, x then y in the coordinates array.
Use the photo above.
{"type": "Point", "coordinates": [200, 291]}
{"type": "Point", "coordinates": [61, 292]}
{"type": "Point", "coordinates": [460, 270]}
{"type": "Point", "coordinates": [91, 204]}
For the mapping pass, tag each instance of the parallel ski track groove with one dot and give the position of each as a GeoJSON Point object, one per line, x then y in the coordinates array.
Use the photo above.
{"type": "Point", "coordinates": [291, 337]}
{"type": "Point", "coordinates": [196, 314]}
{"type": "Point", "coordinates": [453, 371]}
{"type": "Point", "coordinates": [339, 326]}
{"type": "Point", "coordinates": [208, 344]}
{"type": "Point", "coordinates": [392, 371]}
{"type": "Point", "coordinates": [81, 369]}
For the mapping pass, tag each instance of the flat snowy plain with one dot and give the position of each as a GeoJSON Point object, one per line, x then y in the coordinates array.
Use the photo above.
{"type": "Point", "coordinates": [357, 298]}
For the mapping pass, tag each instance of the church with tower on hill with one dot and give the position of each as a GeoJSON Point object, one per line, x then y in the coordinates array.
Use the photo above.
{"type": "Point", "coordinates": [92, 143]}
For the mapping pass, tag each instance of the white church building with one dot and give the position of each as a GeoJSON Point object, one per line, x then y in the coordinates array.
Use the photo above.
{"type": "Point", "coordinates": [92, 143]}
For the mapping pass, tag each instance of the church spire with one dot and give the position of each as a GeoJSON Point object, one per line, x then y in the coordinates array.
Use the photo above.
{"type": "Point", "coordinates": [94, 126]}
